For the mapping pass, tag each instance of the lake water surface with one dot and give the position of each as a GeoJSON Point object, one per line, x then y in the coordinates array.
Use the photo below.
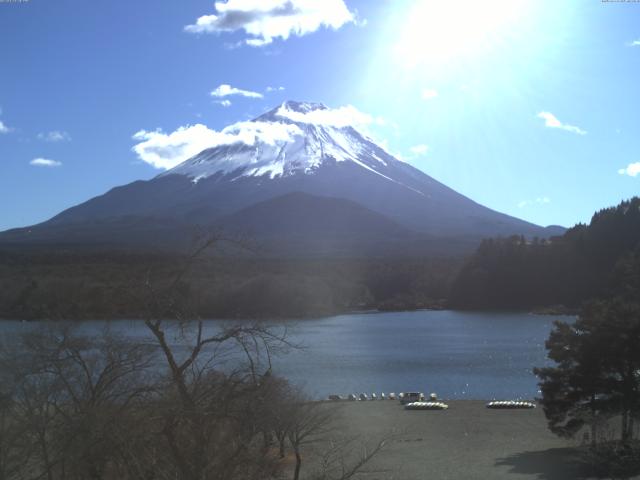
{"type": "Point", "coordinates": [455, 354]}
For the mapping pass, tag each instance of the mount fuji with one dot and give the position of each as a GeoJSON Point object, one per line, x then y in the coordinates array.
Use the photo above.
{"type": "Point", "coordinates": [298, 178]}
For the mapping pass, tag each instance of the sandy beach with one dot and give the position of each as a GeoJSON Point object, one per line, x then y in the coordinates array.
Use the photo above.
{"type": "Point", "coordinates": [467, 441]}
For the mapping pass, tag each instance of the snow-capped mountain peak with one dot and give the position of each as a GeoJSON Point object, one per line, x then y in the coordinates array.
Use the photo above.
{"type": "Point", "coordinates": [293, 138]}
{"type": "Point", "coordinates": [302, 107]}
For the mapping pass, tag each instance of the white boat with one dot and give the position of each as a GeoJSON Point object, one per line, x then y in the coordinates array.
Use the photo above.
{"type": "Point", "coordinates": [510, 404]}
{"type": "Point", "coordinates": [426, 406]}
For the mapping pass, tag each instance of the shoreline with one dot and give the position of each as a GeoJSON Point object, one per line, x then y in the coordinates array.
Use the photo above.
{"type": "Point", "coordinates": [450, 402]}
{"type": "Point", "coordinates": [537, 312]}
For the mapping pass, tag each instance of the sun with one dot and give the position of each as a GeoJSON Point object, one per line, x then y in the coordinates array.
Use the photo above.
{"type": "Point", "coordinates": [436, 31]}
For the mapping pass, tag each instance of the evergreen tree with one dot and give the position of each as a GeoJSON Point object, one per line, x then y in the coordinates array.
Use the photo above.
{"type": "Point", "coordinates": [572, 390]}
{"type": "Point", "coordinates": [597, 372]}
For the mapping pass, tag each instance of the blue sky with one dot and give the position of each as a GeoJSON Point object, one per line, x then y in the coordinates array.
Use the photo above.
{"type": "Point", "coordinates": [531, 108]}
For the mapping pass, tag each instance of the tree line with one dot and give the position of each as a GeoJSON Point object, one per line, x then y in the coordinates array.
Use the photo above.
{"type": "Point", "coordinates": [108, 285]}
{"type": "Point", "coordinates": [519, 273]}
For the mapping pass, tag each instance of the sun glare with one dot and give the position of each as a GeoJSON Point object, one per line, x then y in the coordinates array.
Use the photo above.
{"type": "Point", "coordinates": [437, 30]}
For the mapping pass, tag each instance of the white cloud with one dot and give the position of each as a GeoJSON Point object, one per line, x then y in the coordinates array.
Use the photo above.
{"type": "Point", "coordinates": [265, 20]}
{"type": "Point", "coordinates": [226, 90]}
{"type": "Point", "coordinates": [163, 150]}
{"type": "Point", "coordinates": [419, 150]}
{"type": "Point", "coordinates": [166, 150]}
{"type": "Point", "coordinates": [45, 162]}
{"type": "Point", "coordinates": [635, 43]}
{"type": "Point", "coordinates": [633, 170]}
{"type": "Point", "coordinates": [537, 201]}
{"type": "Point", "coordinates": [429, 93]}
{"type": "Point", "coordinates": [331, 117]}
{"type": "Point", "coordinates": [269, 132]}
{"type": "Point", "coordinates": [551, 121]}
{"type": "Point", "coordinates": [274, 89]}
{"type": "Point", "coordinates": [54, 136]}
{"type": "Point", "coordinates": [4, 128]}
{"type": "Point", "coordinates": [224, 103]}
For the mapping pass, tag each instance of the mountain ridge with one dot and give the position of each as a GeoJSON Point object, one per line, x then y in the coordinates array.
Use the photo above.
{"type": "Point", "coordinates": [295, 147]}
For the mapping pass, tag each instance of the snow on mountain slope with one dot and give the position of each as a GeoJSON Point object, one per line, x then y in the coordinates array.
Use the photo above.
{"type": "Point", "coordinates": [295, 138]}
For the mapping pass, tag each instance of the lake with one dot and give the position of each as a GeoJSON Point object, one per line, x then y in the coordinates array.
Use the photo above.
{"type": "Point", "coordinates": [458, 355]}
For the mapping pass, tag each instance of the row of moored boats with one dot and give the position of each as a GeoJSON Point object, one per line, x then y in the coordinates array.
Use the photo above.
{"type": "Point", "coordinates": [417, 401]}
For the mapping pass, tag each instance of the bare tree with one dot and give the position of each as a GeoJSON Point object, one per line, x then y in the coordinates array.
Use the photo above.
{"type": "Point", "coordinates": [211, 411]}
{"type": "Point", "coordinates": [71, 396]}
{"type": "Point", "coordinates": [308, 420]}
{"type": "Point", "coordinates": [276, 420]}
{"type": "Point", "coordinates": [312, 430]}
{"type": "Point", "coordinates": [11, 458]}
{"type": "Point", "coordinates": [216, 379]}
